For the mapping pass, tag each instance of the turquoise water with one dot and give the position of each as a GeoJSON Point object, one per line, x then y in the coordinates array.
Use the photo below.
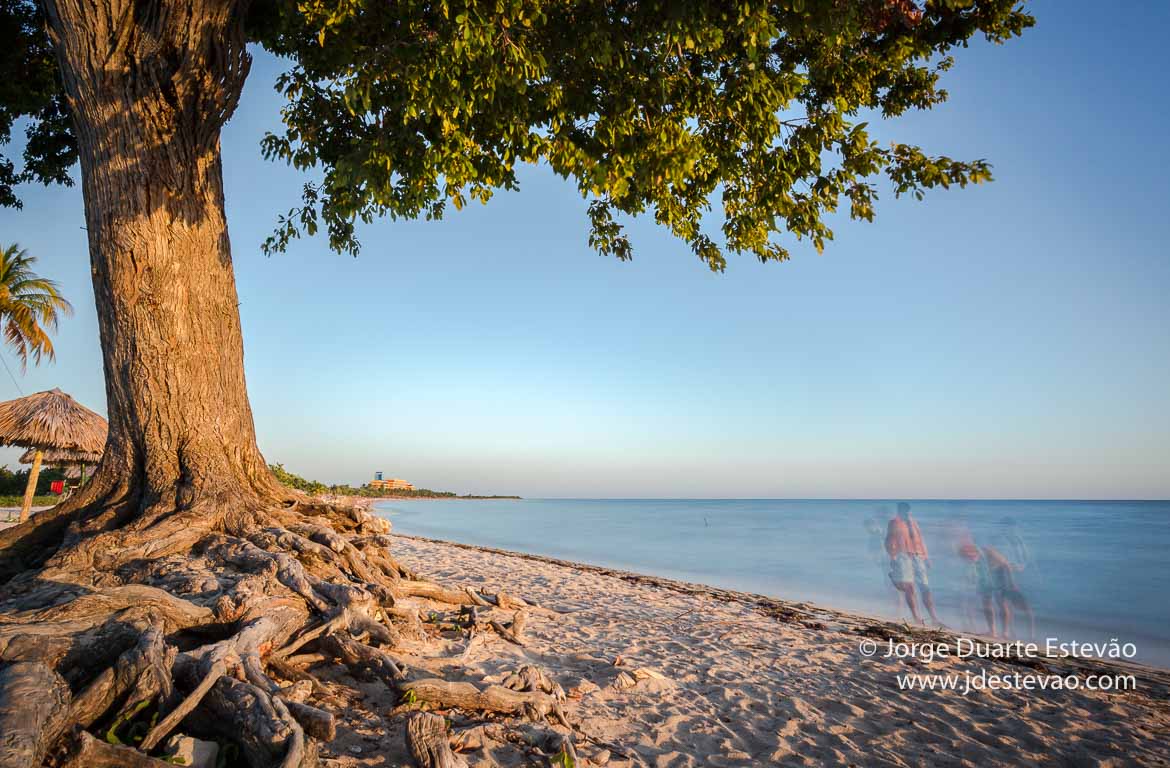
{"type": "Point", "coordinates": [1096, 570]}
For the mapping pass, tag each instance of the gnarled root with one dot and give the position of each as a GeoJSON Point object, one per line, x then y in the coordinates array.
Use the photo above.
{"type": "Point", "coordinates": [151, 657]}
{"type": "Point", "coordinates": [250, 716]}
{"type": "Point", "coordinates": [363, 661]}
{"type": "Point", "coordinates": [33, 702]}
{"type": "Point", "coordinates": [172, 621]}
{"type": "Point", "coordinates": [426, 737]}
{"type": "Point", "coordinates": [185, 707]}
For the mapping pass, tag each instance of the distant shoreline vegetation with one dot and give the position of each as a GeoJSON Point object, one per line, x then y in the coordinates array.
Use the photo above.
{"type": "Point", "coordinates": [316, 488]}
{"type": "Point", "coordinates": [13, 483]}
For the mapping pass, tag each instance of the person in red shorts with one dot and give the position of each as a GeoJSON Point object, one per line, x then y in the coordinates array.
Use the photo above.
{"type": "Point", "coordinates": [909, 562]}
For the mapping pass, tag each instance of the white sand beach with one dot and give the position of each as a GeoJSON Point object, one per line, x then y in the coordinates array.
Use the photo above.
{"type": "Point", "coordinates": [730, 679]}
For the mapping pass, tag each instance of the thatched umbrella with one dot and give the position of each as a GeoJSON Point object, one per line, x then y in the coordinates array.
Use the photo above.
{"type": "Point", "coordinates": [46, 421]}
{"type": "Point", "coordinates": [72, 463]}
{"type": "Point", "coordinates": [57, 457]}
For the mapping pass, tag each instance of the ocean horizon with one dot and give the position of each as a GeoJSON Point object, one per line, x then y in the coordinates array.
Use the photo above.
{"type": "Point", "coordinates": [1095, 569]}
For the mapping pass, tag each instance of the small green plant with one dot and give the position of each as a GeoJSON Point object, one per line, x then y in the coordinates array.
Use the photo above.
{"type": "Point", "coordinates": [136, 729]}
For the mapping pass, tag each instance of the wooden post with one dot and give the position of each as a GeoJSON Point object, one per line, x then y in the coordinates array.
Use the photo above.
{"type": "Point", "coordinates": [31, 490]}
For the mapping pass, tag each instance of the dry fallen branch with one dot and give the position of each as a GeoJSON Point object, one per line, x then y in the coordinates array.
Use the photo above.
{"type": "Point", "coordinates": [514, 631]}
{"type": "Point", "coordinates": [533, 705]}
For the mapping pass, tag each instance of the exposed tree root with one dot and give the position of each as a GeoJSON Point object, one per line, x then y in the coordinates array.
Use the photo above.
{"type": "Point", "coordinates": [426, 737]}
{"type": "Point", "coordinates": [142, 625]}
{"type": "Point", "coordinates": [33, 702]}
{"type": "Point", "coordinates": [186, 706]}
{"type": "Point", "coordinates": [149, 658]}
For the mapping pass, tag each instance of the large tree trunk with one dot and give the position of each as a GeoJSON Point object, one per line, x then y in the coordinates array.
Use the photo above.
{"type": "Point", "coordinates": [150, 86]}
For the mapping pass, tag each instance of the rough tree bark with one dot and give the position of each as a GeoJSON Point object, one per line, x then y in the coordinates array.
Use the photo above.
{"type": "Point", "coordinates": [150, 86]}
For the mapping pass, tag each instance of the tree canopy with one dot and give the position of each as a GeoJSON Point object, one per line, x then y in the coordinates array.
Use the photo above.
{"type": "Point", "coordinates": [662, 107]}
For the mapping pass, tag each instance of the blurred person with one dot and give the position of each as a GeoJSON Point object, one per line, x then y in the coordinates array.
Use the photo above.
{"type": "Point", "coordinates": [975, 592]}
{"type": "Point", "coordinates": [909, 562]}
{"type": "Point", "coordinates": [1005, 593]}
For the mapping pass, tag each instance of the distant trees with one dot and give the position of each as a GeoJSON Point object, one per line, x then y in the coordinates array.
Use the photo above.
{"type": "Point", "coordinates": [296, 481]}
{"type": "Point", "coordinates": [314, 487]}
{"type": "Point", "coordinates": [12, 483]}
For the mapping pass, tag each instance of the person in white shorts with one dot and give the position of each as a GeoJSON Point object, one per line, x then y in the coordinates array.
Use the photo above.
{"type": "Point", "coordinates": [909, 562]}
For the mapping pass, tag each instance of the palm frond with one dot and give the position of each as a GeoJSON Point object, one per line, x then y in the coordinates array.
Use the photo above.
{"type": "Point", "coordinates": [30, 307]}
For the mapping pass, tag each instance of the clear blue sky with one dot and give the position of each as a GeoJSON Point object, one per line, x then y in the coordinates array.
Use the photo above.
{"type": "Point", "coordinates": [1011, 340]}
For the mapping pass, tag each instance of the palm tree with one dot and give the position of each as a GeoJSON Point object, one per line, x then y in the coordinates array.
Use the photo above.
{"type": "Point", "coordinates": [29, 306]}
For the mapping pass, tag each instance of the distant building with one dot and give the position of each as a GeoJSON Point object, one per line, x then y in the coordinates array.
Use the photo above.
{"type": "Point", "coordinates": [393, 484]}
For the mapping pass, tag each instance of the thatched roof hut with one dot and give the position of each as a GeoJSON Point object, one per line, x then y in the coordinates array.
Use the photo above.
{"type": "Point", "coordinates": [52, 419]}
{"type": "Point", "coordinates": [48, 421]}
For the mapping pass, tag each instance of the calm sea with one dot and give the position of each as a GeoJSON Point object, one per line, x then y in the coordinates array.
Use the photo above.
{"type": "Point", "coordinates": [1095, 570]}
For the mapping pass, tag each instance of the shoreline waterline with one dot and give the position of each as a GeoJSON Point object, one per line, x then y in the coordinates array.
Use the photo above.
{"type": "Point", "coordinates": [1095, 571]}
{"type": "Point", "coordinates": [811, 615]}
